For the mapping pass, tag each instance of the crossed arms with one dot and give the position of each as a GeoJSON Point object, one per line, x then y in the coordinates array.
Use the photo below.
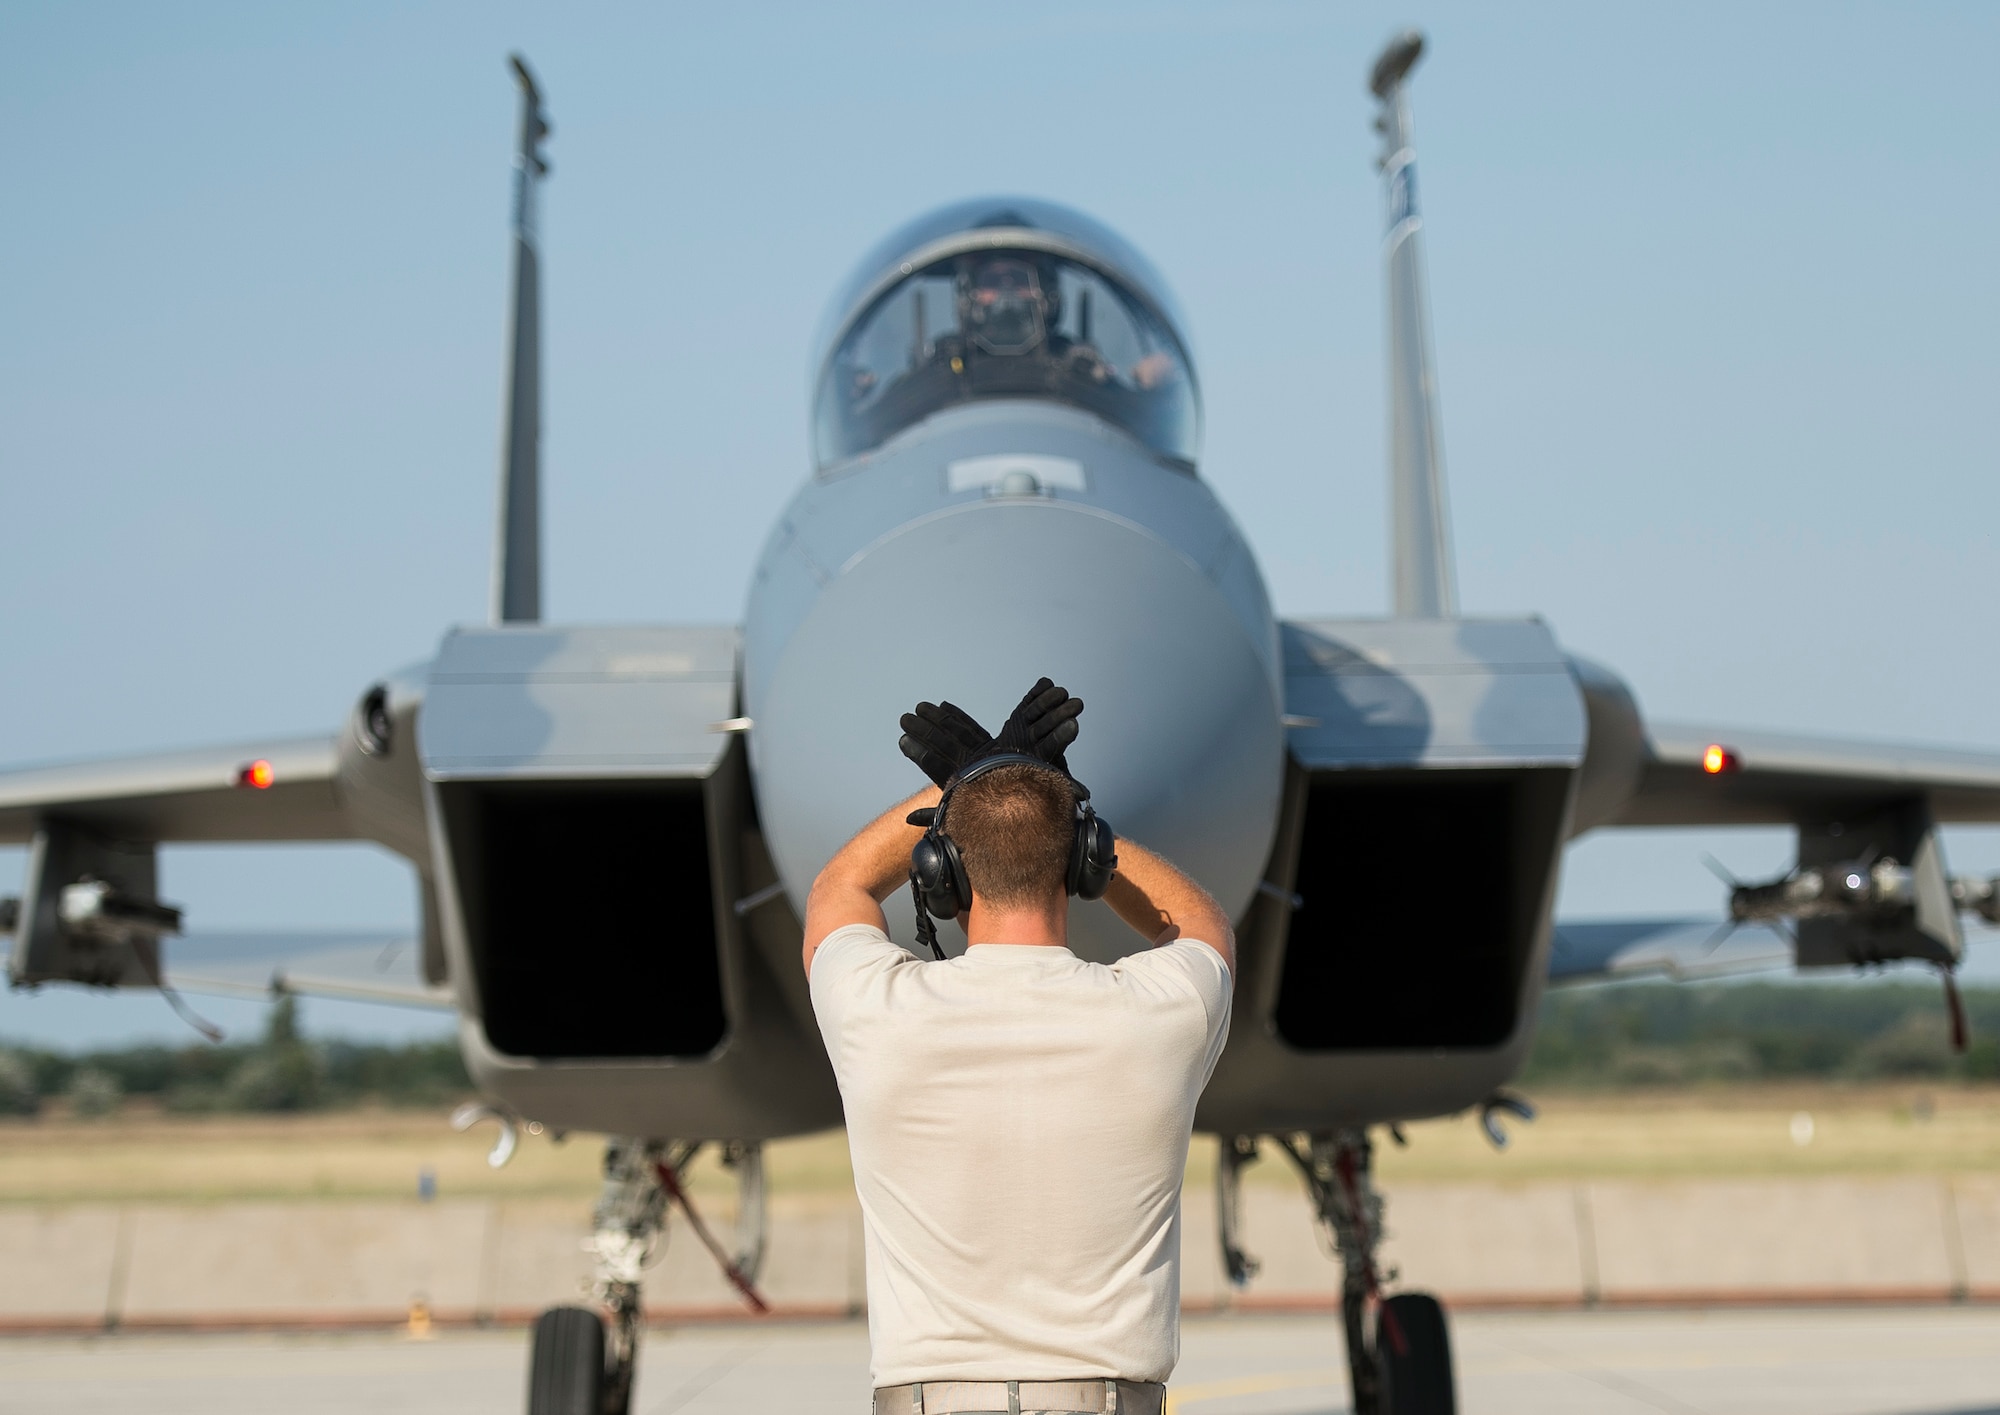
{"type": "Point", "coordinates": [1158, 901]}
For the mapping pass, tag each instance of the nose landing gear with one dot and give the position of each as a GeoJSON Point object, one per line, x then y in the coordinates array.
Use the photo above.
{"type": "Point", "coordinates": [568, 1375]}
{"type": "Point", "coordinates": [583, 1364]}
{"type": "Point", "coordinates": [1399, 1347]}
{"type": "Point", "coordinates": [1413, 1356]}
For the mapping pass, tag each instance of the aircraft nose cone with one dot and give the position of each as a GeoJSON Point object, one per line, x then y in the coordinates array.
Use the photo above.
{"type": "Point", "coordinates": [1181, 743]}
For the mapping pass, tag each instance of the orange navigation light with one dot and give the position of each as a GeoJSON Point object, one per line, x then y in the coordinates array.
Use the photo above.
{"type": "Point", "coordinates": [1718, 759]}
{"type": "Point", "coordinates": [258, 775]}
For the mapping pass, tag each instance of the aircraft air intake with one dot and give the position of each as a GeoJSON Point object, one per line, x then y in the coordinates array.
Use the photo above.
{"type": "Point", "coordinates": [602, 887]}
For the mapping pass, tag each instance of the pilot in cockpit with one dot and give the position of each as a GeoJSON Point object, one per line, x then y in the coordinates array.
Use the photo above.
{"type": "Point", "coordinates": [1011, 306]}
{"type": "Point", "coordinates": [1003, 305]}
{"type": "Point", "coordinates": [1005, 323]}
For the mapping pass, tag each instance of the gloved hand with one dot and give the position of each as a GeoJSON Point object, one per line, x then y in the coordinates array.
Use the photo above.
{"type": "Point", "coordinates": [1043, 725]}
{"type": "Point", "coordinates": [941, 738]}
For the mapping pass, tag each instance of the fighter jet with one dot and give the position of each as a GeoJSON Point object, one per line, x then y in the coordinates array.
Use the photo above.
{"type": "Point", "coordinates": [614, 829]}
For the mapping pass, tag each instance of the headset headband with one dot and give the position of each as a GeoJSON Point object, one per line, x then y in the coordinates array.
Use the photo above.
{"type": "Point", "coordinates": [937, 875]}
{"type": "Point", "coordinates": [999, 759]}
{"type": "Point", "coordinates": [928, 816]}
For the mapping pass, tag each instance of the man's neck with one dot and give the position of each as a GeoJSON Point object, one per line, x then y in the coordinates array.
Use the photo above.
{"type": "Point", "coordinates": [1045, 927]}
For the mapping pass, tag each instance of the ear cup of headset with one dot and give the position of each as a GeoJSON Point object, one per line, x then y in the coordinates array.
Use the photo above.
{"type": "Point", "coordinates": [927, 868]}
{"type": "Point", "coordinates": [1093, 857]}
{"type": "Point", "coordinates": [939, 874]}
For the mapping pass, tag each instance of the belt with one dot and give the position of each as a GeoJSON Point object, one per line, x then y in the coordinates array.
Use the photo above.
{"type": "Point", "coordinates": [1093, 1397]}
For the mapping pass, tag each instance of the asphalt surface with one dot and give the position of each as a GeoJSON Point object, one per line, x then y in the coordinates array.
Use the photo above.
{"type": "Point", "coordinates": [1906, 1361]}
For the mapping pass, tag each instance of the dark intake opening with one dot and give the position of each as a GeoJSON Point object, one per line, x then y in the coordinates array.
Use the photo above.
{"type": "Point", "coordinates": [1410, 934]}
{"type": "Point", "coordinates": [592, 919]}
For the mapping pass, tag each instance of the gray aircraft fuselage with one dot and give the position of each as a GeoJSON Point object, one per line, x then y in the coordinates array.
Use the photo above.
{"type": "Point", "coordinates": [941, 566]}
{"type": "Point", "coordinates": [1006, 432]}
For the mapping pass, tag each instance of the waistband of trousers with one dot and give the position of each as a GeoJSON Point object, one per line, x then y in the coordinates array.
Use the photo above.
{"type": "Point", "coordinates": [1091, 1397]}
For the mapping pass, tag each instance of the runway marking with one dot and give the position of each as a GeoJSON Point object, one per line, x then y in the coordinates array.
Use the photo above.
{"type": "Point", "coordinates": [1611, 1380]}
{"type": "Point", "coordinates": [708, 1375]}
{"type": "Point", "coordinates": [1246, 1385]}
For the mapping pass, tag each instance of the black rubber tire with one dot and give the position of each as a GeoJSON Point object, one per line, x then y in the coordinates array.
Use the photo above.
{"type": "Point", "coordinates": [566, 1371]}
{"type": "Point", "coordinates": [1413, 1356]}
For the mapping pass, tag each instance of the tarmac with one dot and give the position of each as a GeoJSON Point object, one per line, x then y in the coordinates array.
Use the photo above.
{"type": "Point", "coordinates": [1885, 1361]}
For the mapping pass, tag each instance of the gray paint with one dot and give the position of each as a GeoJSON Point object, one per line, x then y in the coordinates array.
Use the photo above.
{"type": "Point", "coordinates": [1430, 693]}
{"type": "Point", "coordinates": [1135, 591]}
{"type": "Point", "coordinates": [1679, 949]}
{"type": "Point", "coordinates": [46, 950]}
{"type": "Point", "coordinates": [1905, 832]}
{"type": "Point", "coordinates": [1181, 745]}
{"type": "Point", "coordinates": [1786, 778]}
{"type": "Point", "coordinates": [525, 702]}
{"type": "Point", "coordinates": [1397, 695]}
{"type": "Point", "coordinates": [1616, 756]}
{"type": "Point", "coordinates": [838, 516]}
{"type": "Point", "coordinates": [517, 568]}
{"type": "Point", "coordinates": [185, 795]}
{"type": "Point", "coordinates": [1421, 576]}
{"type": "Point", "coordinates": [380, 782]}
{"type": "Point", "coordinates": [619, 703]}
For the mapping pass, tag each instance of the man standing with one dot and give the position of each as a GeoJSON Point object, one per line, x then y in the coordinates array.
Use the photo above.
{"type": "Point", "coordinates": [1018, 1118]}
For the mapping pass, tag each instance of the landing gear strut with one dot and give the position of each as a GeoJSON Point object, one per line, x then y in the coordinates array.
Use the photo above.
{"type": "Point", "coordinates": [583, 1364]}
{"type": "Point", "coordinates": [1398, 1348]}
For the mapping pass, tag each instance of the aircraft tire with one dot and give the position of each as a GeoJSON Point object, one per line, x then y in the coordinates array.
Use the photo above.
{"type": "Point", "coordinates": [1413, 1356]}
{"type": "Point", "coordinates": [566, 1372]}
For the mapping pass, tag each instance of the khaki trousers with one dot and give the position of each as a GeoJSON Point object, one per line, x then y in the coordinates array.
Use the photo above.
{"type": "Point", "coordinates": [1096, 1397]}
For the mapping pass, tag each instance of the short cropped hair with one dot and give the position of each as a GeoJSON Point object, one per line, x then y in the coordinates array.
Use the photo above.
{"type": "Point", "coordinates": [1014, 827]}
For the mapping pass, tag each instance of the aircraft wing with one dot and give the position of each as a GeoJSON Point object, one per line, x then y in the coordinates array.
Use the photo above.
{"type": "Point", "coordinates": [286, 984]}
{"type": "Point", "coordinates": [374, 966]}
{"type": "Point", "coordinates": [1682, 949]}
{"type": "Point", "coordinates": [204, 794]}
{"type": "Point", "coordinates": [1779, 779]}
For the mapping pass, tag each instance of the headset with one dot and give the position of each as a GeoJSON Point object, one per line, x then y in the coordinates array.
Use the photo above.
{"type": "Point", "coordinates": [937, 872]}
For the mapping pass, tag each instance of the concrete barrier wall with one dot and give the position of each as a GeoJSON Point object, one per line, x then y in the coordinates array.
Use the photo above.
{"type": "Point", "coordinates": [1560, 1244]}
{"type": "Point", "coordinates": [1634, 1242]}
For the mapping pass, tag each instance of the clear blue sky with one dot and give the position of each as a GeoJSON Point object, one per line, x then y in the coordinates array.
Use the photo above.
{"type": "Point", "coordinates": [1714, 287]}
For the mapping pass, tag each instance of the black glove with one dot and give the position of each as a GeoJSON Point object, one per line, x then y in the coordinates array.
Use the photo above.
{"type": "Point", "coordinates": [941, 738]}
{"type": "Point", "coordinates": [1043, 725]}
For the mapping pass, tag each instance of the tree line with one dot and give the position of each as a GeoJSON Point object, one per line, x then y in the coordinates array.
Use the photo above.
{"type": "Point", "coordinates": [282, 1071]}
{"type": "Point", "coordinates": [1615, 1036]}
{"type": "Point", "coordinates": [1665, 1034]}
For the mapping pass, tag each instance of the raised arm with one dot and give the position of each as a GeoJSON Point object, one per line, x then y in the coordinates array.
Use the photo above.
{"type": "Point", "coordinates": [1164, 904]}
{"type": "Point", "coordinates": [865, 871]}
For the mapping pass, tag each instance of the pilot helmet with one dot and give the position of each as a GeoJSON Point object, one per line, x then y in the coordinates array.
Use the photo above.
{"type": "Point", "coordinates": [1003, 302]}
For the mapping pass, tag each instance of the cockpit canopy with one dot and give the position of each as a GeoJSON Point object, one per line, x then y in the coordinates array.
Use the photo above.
{"type": "Point", "coordinates": [1003, 298]}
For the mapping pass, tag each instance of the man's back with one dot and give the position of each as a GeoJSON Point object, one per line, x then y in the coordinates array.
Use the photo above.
{"type": "Point", "coordinates": [1019, 1124]}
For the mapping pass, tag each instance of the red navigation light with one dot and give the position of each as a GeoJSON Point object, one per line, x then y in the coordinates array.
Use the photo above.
{"type": "Point", "coordinates": [1718, 759]}
{"type": "Point", "coordinates": [258, 776]}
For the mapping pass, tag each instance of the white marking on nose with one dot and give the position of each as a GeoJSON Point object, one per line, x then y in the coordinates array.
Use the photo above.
{"type": "Point", "coordinates": [997, 474]}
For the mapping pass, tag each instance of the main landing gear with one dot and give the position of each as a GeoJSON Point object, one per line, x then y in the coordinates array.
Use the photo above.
{"type": "Point", "coordinates": [584, 1357]}
{"type": "Point", "coordinates": [1398, 1347]}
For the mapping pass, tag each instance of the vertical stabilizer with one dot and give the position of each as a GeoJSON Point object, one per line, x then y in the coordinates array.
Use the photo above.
{"type": "Point", "coordinates": [1423, 583]}
{"type": "Point", "coordinates": [517, 560]}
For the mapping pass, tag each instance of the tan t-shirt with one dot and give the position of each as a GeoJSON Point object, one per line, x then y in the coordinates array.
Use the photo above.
{"type": "Point", "coordinates": [1019, 1124]}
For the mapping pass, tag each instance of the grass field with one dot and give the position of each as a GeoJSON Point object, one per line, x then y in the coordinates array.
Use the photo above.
{"type": "Point", "coordinates": [357, 1154]}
